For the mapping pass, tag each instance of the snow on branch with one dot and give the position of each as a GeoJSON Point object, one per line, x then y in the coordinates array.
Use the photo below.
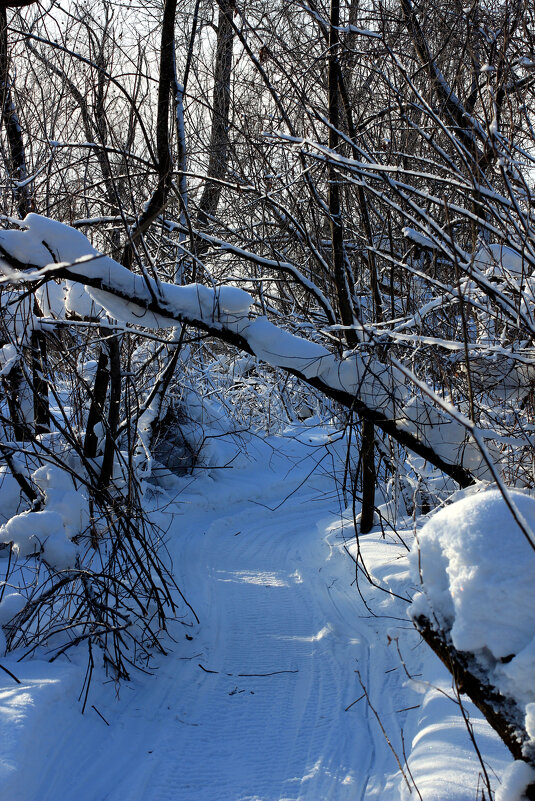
{"type": "Point", "coordinates": [41, 249]}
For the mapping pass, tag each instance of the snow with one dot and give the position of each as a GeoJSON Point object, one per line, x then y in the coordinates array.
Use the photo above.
{"type": "Point", "coordinates": [39, 704]}
{"type": "Point", "coordinates": [48, 532]}
{"type": "Point", "coordinates": [78, 301]}
{"type": "Point", "coordinates": [66, 246]}
{"type": "Point", "coordinates": [64, 498]}
{"type": "Point", "coordinates": [29, 531]}
{"type": "Point", "coordinates": [140, 300]}
{"type": "Point", "coordinates": [51, 299]}
{"type": "Point", "coordinates": [282, 349]}
{"type": "Point", "coordinates": [515, 781]}
{"type": "Point", "coordinates": [515, 678]}
{"type": "Point", "coordinates": [446, 436]}
{"type": "Point", "coordinates": [436, 742]}
{"type": "Point", "coordinates": [418, 237]}
{"type": "Point", "coordinates": [530, 720]}
{"type": "Point", "coordinates": [233, 300]}
{"type": "Point", "coordinates": [259, 551]}
{"type": "Point", "coordinates": [10, 605]}
{"type": "Point", "coordinates": [228, 306]}
{"type": "Point", "coordinates": [65, 298]}
{"type": "Point", "coordinates": [501, 261]}
{"type": "Point", "coordinates": [476, 571]}
{"type": "Point", "coordinates": [10, 496]}
{"type": "Point", "coordinates": [26, 249]}
{"type": "Point", "coordinates": [440, 761]}
{"type": "Point", "coordinates": [484, 608]}
{"type": "Point", "coordinates": [260, 546]}
{"type": "Point", "coordinates": [34, 532]}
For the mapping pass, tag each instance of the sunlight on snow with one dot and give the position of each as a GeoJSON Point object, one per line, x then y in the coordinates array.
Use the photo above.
{"type": "Point", "coordinates": [313, 771]}
{"type": "Point", "coordinates": [261, 578]}
{"type": "Point", "coordinates": [313, 638]}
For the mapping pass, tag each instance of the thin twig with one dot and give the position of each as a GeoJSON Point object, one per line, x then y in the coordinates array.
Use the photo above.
{"type": "Point", "coordinates": [383, 730]}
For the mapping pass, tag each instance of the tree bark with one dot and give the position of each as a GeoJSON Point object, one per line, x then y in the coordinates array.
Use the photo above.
{"type": "Point", "coordinates": [501, 712]}
{"type": "Point", "coordinates": [158, 200]}
{"type": "Point", "coordinates": [219, 139]}
{"type": "Point", "coordinates": [114, 406]}
{"type": "Point", "coordinates": [39, 383]}
{"type": "Point", "coordinates": [25, 204]}
{"type": "Point", "coordinates": [341, 268]}
{"type": "Point", "coordinates": [11, 122]}
{"type": "Point", "coordinates": [98, 403]}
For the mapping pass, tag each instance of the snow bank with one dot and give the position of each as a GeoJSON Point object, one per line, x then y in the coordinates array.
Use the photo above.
{"type": "Point", "coordinates": [38, 718]}
{"type": "Point", "coordinates": [516, 779]}
{"type": "Point", "coordinates": [261, 517]}
{"type": "Point", "coordinates": [438, 749]}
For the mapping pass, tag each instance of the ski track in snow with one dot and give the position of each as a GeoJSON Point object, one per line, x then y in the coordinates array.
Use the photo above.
{"type": "Point", "coordinates": [273, 593]}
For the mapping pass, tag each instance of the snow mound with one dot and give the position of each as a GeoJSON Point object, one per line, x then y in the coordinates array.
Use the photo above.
{"type": "Point", "coordinates": [10, 497]}
{"type": "Point", "coordinates": [48, 532]}
{"type": "Point", "coordinates": [10, 605]}
{"type": "Point", "coordinates": [478, 571]}
{"type": "Point", "coordinates": [34, 532]}
{"type": "Point", "coordinates": [515, 781]}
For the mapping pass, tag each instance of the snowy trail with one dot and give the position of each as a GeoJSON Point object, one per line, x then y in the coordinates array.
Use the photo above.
{"type": "Point", "coordinates": [282, 634]}
{"type": "Point", "coordinates": [268, 610]}
{"type": "Point", "coordinates": [269, 603]}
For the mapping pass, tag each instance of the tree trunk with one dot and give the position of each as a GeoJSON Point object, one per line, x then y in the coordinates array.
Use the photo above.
{"type": "Point", "coordinates": [98, 403]}
{"type": "Point", "coordinates": [219, 140]}
{"type": "Point", "coordinates": [341, 268]}
{"type": "Point", "coordinates": [110, 445]}
{"type": "Point", "coordinates": [158, 200]}
{"type": "Point", "coordinates": [10, 120]}
{"type": "Point", "coordinates": [501, 712]}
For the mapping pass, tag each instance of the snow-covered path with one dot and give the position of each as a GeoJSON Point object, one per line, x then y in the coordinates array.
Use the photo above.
{"type": "Point", "coordinates": [278, 630]}
{"type": "Point", "coordinates": [268, 736]}
{"type": "Point", "coordinates": [250, 705]}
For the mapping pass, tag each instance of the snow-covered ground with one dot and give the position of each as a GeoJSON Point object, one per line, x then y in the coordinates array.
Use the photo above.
{"type": "Point", "coordinates": [259, 701]}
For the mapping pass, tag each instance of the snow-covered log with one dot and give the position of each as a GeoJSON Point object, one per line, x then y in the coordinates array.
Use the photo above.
{"type": "Point", "coordinates": [476, 566]}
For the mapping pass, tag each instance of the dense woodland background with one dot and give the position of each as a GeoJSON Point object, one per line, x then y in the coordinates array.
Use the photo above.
{"type": "Point", "coordinates": [365, 171]}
